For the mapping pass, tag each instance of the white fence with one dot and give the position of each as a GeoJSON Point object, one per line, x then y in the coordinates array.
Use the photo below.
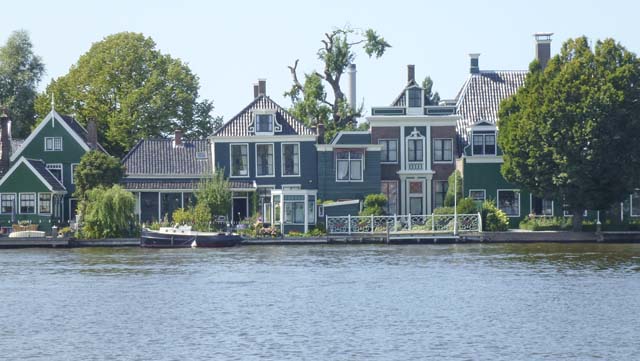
{"type": "Point", "coordinates": [397, 224]}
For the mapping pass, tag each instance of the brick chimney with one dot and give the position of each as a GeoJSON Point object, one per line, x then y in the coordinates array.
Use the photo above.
{"type": "Point", "coordinates": [92, 134]}
{"type": "Point", "coordinates": [411, 73]}
{"type": "Point", "coordinates": [5, 139]}
{"type": "Point", "coordinates": [474, 63]}
{"type": "Point", "coordinates": [262, 87]}
{"type": "Point", "coordinates": [177, 138]}
{"type": "Point", "coordinates": [256, 91]}
{"type": "Point", "coordinates": [543, 48]}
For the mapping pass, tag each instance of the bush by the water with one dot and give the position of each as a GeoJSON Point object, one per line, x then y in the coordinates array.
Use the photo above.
{"type": "Point", "coordinates": [493, 219]}
{"type": "Point", "coordinates": [197, 217]}
{"type": "Point", "coordinates": [374, 205]}
{"type": "Point", "coordinates": [109, 213]}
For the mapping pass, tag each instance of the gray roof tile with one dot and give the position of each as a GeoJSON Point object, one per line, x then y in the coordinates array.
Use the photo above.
{"type": "Point", "coordinates": [41, 168]}
{"type": "Point", "coordinates": [160, 157]}
{"type": "Point", "coordinates": [175, 184]}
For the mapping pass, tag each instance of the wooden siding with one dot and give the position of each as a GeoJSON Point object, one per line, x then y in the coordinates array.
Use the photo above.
{"type": "Point", "coordinates": [330, 189]}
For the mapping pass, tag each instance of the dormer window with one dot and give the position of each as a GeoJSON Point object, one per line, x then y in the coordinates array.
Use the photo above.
{"type": "Point", "coordinates": [264, 124]}
{"type": "Point", "coordinates": [414, 96]}
{"type": "Point", "coordinates": [484, 143]}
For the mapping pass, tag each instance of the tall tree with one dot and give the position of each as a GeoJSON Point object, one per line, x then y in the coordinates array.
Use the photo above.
{"type": "Point", "coordinates": [20, 72]}
{"type": "Point", "coordinates": [570, 132]}
{"type": "Point", "coordinates": [430, 97]}
{"type": "Point", "coordinates": [133, 91]}
{"type": "Point", "coordinates": [310, 102]}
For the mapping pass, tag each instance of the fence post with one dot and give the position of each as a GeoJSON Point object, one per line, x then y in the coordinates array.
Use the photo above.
{"type": "Point", "coordinates": [349, 223]}
{"type": "Point", "coordinates": [433, 222]}
{"type": "Point", "coordinates": [326, 223]}
{"type": "Point", "coordinates": [479, 222]}
{"type": "Point", "coordinates": [372, 223]}
{"type": "Point", "coordinates": [455, 224]}
{"type": "Point", "coordinates": [409, 222]}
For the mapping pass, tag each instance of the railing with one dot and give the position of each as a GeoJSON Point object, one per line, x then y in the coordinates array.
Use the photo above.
{"type": "Point", "coordinates": [415, 165]}
{"type": "Point", "coordinates": [398, 224]}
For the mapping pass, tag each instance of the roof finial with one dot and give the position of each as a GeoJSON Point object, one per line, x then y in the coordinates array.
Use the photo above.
{"type": "Point", "coordinates": [53, 102]}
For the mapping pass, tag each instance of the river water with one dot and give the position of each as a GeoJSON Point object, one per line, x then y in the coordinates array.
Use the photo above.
{"type": "Point", "coordinates": [369, 302]}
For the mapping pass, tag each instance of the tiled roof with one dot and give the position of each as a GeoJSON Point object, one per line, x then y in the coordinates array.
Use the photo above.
{"type": "Point", "coordinates": [176, 184]}
{"type": "Point", "coordinates": [480, 97]}
{"type": "Point", "coordinates": [401, 100]}
{"type": "Point", "coordinates": [79, 129]}
{"type": "Point", "coordinates": [238, 126]}
{"type": "Point", "coordinates": [161, 157]}
{"type": "Point", "coordinates": [41, 168]}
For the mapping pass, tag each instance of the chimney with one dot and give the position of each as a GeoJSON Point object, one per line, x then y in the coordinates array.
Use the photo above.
{"type": "Point", "coordinates": [320, 132]}
{"type": "Point", "coordinates": [92, 134]}
{"type": "Point", "coordinates": [474, 63]}
{"type": "Point", "coordinates": [177, 138]}
{"type": "Point", "coordinates": [543, 48]}
{"type": "Point", "coordinates": [256, 92]}
{"type": "Point", "coordinates": [6, 141]}
{"type": "Point", "coordinates": [352, 85]}
{"type": "Point", "coordinates": [262, 87]}
{"type": "Point", "coordinates": [411, 73]}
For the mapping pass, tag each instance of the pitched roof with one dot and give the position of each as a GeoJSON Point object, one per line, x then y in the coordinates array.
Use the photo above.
{"type": "Point", "coordinates": [238, 126]}
{"type": "Point", "coordinates": [480, 96]}
{"type": "Point", "coordinates": [41, 168]}
{"type": "Point", "coordinates": [79, 129]}
{"type": "Point", "coordinates": [161, 157]}
{"type": "Point", "coordinates": [401, 100]}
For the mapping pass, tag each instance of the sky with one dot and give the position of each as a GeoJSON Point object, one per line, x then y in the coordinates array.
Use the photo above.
{"type": "Point", "coordinates": [232, 44]}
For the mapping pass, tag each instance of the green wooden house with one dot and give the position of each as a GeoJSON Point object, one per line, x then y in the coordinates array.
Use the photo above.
{"type": "Point", "coordinates": [38, 186]}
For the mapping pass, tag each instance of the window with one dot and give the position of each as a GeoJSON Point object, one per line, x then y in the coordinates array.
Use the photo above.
{"type": "Point", "coordinates": [416, 197]}
{"type": "Point", "coordinates": [415, 150]}
{"type": "Point", "coordinates": [415, 97]}
{"type": "Point", "coordinates": [291, 186]}
{"type": "Point", "coordinates": [27, 203]}
{"type": "Point", "coordinates": [568, 213]}
{"type": "Point", "coordinates": [73, 173]}
{"type": "Point", "coordinates": [349, 165]}
{"type": "Point", "coordinates": [44, 203]}
{"type": "Point", "coordinates": [264, 123]}
{"type": "Point", "coordinates": [635, 204]}
{"type": "Point", "coordinates": [389, 152]}
{"type": "Point", "coordinates": [478, 196]}
{"type": "Point", "coordinates": [441, 188]}
{"type": "Point", "coordinates": [509, 202]}
{"type": "Point", "coordinates": [290, 159]}
{"type": "Point", "coordinates": [239, 160]}
{"type": "Point", "coordinates": [442, 150]}
{"type": "Point", "coordinates": [541, 207]}
{"type": "Point", "coordinates": [484, 143]}
{"type": "Point", "coordinates": [390, 190]}
{"type": "Point", "coordinates": [56, 170]}
{"type": "Point", "coordinates": [7, 203]}
{"type": "Point", "coordinates": [294, 209]}
{"type": "Point", "coordinates": [320, 210]}
{"type": "Point", "coordinates": [264, 160]}
{"type": "Point", "coordinates": [53, 144]}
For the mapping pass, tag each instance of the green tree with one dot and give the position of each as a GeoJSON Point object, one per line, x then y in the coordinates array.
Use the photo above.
{"type": "Point", "coordinates": [374, 205]}
{"type": "Point", "coordinates": [430, 97]}
{"type": "Point", "coordinates": [96, 169]}
{"type": "Point", "coordinates": [449, 199]}
{"type": "Point", "coordinates": [132, 91]}
{"type": "Point", "coordinates": [109, 213]}
{"type": "Point", "coordinates": [570, 131]}
{"type": "Point", "coordinates": [215, 193]}
{"type": "Point", "coordinates": [20, 72]}
{"type": "Point", "coordinates": [310, 102]}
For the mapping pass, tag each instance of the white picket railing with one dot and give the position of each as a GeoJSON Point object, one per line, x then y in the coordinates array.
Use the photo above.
{"type": "Point", "coordinates": [429, 223]}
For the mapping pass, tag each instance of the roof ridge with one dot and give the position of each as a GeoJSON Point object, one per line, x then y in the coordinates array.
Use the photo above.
{"type": "Point", "coordinates": [289, 114]}
{"type": "Point", "coordinates": [239, 114]}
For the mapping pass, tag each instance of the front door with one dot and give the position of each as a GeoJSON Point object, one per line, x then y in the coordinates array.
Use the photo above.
{"type": "Point", "coordinates": [239, 209]}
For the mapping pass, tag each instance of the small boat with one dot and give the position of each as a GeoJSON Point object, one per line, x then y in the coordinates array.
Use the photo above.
{"type": "Point", "coordinates": [184, 237]}
{"type": "Point", "coordinates": [27, 234]}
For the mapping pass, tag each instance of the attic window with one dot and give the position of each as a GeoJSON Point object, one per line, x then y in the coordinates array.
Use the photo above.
{"type": "Point", "coordinates": [201, 155]}
{"type": "Point", "coordinates": [264, 123]}
{"type": "Point", "coordinates": [415, 97]}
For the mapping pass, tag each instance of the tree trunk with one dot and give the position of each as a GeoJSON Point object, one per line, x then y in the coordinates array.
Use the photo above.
{"type": "Point", "coordinates": [576, 221]}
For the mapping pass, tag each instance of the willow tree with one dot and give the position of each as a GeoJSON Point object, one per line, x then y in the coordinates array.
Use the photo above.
{"type": "Point", "coordinates": [311, 102]}
{"type": "Point", "coordinates": [570, 132]}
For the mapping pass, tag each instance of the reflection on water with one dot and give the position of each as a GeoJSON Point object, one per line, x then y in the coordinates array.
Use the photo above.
{"type": "Point", "coordinates": [441, 302]}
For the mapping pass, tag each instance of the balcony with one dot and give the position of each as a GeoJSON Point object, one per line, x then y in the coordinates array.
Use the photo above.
{"type": "Point", "coordinates": [415, 165]}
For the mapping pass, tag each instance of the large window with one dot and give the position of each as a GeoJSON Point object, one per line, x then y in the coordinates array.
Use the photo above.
{"type": "Point", "coordinates": [509, 202]}
{"type": "Point", "coordinates": [56, 170]}
{"type": "Point", "coordinates": [53, 144]}
{"type": "Point", "coordinates": [484, 143]}
{"type": "Point", "coordinates": [44, 203]}
{"type": "Point", "coordinates": [415, 150]}
{"type": "Point", "coordinates": [390, 190]}
{"type": "Point", "coordinates": [27, 203]}
{"type": "Point", "coordinates": [442, 150]}
{"type": "Point", "coordinates": [416, 197]}
{"type": "Point", "coordinates": [541, 207]}
{"type": "Point", "coordinates": [290, 159]}
{"type": "Point", "coordinates": [264, 123]}
{"type": "Point", "coordinates": [294, 209]}
{"type": "Point", "coordinates": [349, 165]}
{"type": "Point", "coordinates": [7, 203]}
{"type": "Point", "coordinates": [239, 160]}
{"type": "Point", "coordinates": [441, 188]}
{"type": "Point", "coordinates": [478, 196]}
{"type": "Point", "coordinates": [389, 150]}
{"type": "Point", "coordinates": [415, 97]}
{"type": "Point", "coordinates": [264, 160]}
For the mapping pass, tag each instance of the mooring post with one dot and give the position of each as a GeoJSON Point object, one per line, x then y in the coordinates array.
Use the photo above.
{"type": "Point", "coordinates": [372, 223]}
{"type": "Point", "coordinates": [433, 223]}
{"type": "Point", "coordinates": [409, 222]}
{"type": "Point", "coordinates": [395, 222]}
{"type": "Point", "coordinates": [387, 231]}
{"type": "Point", "coordinates": [349, 223]}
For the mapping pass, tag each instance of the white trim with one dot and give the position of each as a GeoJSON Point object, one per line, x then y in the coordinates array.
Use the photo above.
{"type": "Point", "coordinates": [35, 202]}
{"type": "Point", "coordinates": [519, 201]}
{"type": "Point", "coordinates": [231, 162]}
{"type": "Point", "coordinates": [330, 147]}
{"type": "Point", "coordinates": [433, 146]}
{"type": "Point", "coordinates": [50, 204]}
{"type": "Point", "coordinates": [282, 160]}
{"type": "Point", "coordinates": [419, 110]}
{"type": "Point", "coordinates": [272, 114]}
{"type": "Point", "coordinates": [73, 217]}
{"type": "Point", "coordinates": [412, 120]}
{"type": "Point", "coordinates": [15, 202]}
{"type": "Point", "coordinates": [341, 203]}
{"type": "Point", "coordinates": [53, 144]}
{"type": "Point", "coordinates": [484, 193]}
{"type": "Point", "coordinates": [273, 160]}
{"type": "Point", "coordinates": [422, 195]}
{"type": "Point", "coordinates": [263, 138]}
{"type": "Point", "coordinates": [52, 115]}
{"type": "Point", "coordinates": [484, 144]}
{"type": "Point", "coordinates": [55, 167]}
{"type": "Point", "coordinates": [484, 159]}
{"type": "Point", "coordinates": [415, 135]}
{"type": "Point", "coordinates": [290, 187]}
{"type": "Point", "coordinates": [349, 160]}
{"type": "Point", "coordinates": [387, 151]}
{"type": "Point", "coordinates": [23, 160]}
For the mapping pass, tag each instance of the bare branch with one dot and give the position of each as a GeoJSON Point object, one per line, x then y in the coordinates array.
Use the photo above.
{"type": "Point", "coordinates": [294, 74]}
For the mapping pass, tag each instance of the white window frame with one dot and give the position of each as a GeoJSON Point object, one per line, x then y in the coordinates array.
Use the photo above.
{"type": "Point", "coordinates": [53, 144]}
{"type": "Point", "coordinates": [484, 194]}
{"type": "Point", "coordinates": [282, 167]}
{"type": "Point", "coordinates": [441, 141]}
{"type": "Point", "coordinates": [415, 135]}
{"type": "Point", "coordinates": [272, 117]}
{"type": "Point", "coordinates": [50, 203]}
{"type": "Point", "coordinates": [422, 196]}
{"type": "Point", "coordinates": [349, 160]}
{"type": "Point", "coordinates": [231, 145]}
{"type": "Point", "coordinates": [397, 203]}
{"type": "Point", "coordinates": [273, 160]}
{"type": "Point", "coordinates": [484, 144]}
{"type": "Point", "coordinates": [553, 207]}
{"type": "Point", "coordinates": [35, 202]}
{"type": "Point", "coordinates": [519, 201]}
{"type": "Point", "coordinates": [15, 198]}
{"type": "Point", "coordinates": [408, 104]}
{"type": "Point", "coordinates": [73, 172]}
{"type": "Point", "coordinates": [631, 204]}
{"type": "Point", "coordinates": [291, 187]}
{"type": "Point", "coordinates": [386, 151]}
{"type": "Point", "coordinates": [56, 166]}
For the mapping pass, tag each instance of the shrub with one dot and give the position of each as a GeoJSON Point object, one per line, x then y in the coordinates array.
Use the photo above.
{"type": "Point", "coordinates": [443, 210]}
{"type": "Point", "coordinates": [183, 216]}
{"type": "Point", "coordinates": [449, 197]}
{"type": "Point", "coordinates": [493, 219]}
{"type": "Point", "coordinates": [374, 205]}
{"type": "Point", "coordinates": [467, 206]}
{"type": "Point", "coordinates": [533, 223]}
{"type": "Point", "coordinates": [109, 213]}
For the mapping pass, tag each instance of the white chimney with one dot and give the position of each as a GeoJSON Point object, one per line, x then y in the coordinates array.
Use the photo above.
{"type": "Point", "coordinates": [351, 70]}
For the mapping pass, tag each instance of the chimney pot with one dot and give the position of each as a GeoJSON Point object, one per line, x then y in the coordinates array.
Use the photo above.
{"type": "Point", "coordinates": [262, 87]}
{"type": "Point", "coordinates": [92, 134]}
{"type": "Point", "coordinates": [474, 63]}
{"type": "Point", "coordinates": [5, 139]}
{"type": "Point", "coordinates": [177, 138]}
{"type": "Point", "coordinates": [256, 92]}
{"type": "Point", "coordinates": [411, 73]}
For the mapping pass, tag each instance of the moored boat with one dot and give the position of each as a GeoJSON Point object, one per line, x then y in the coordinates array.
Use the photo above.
{"type": "Point", "coordinates": [184, 237]}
